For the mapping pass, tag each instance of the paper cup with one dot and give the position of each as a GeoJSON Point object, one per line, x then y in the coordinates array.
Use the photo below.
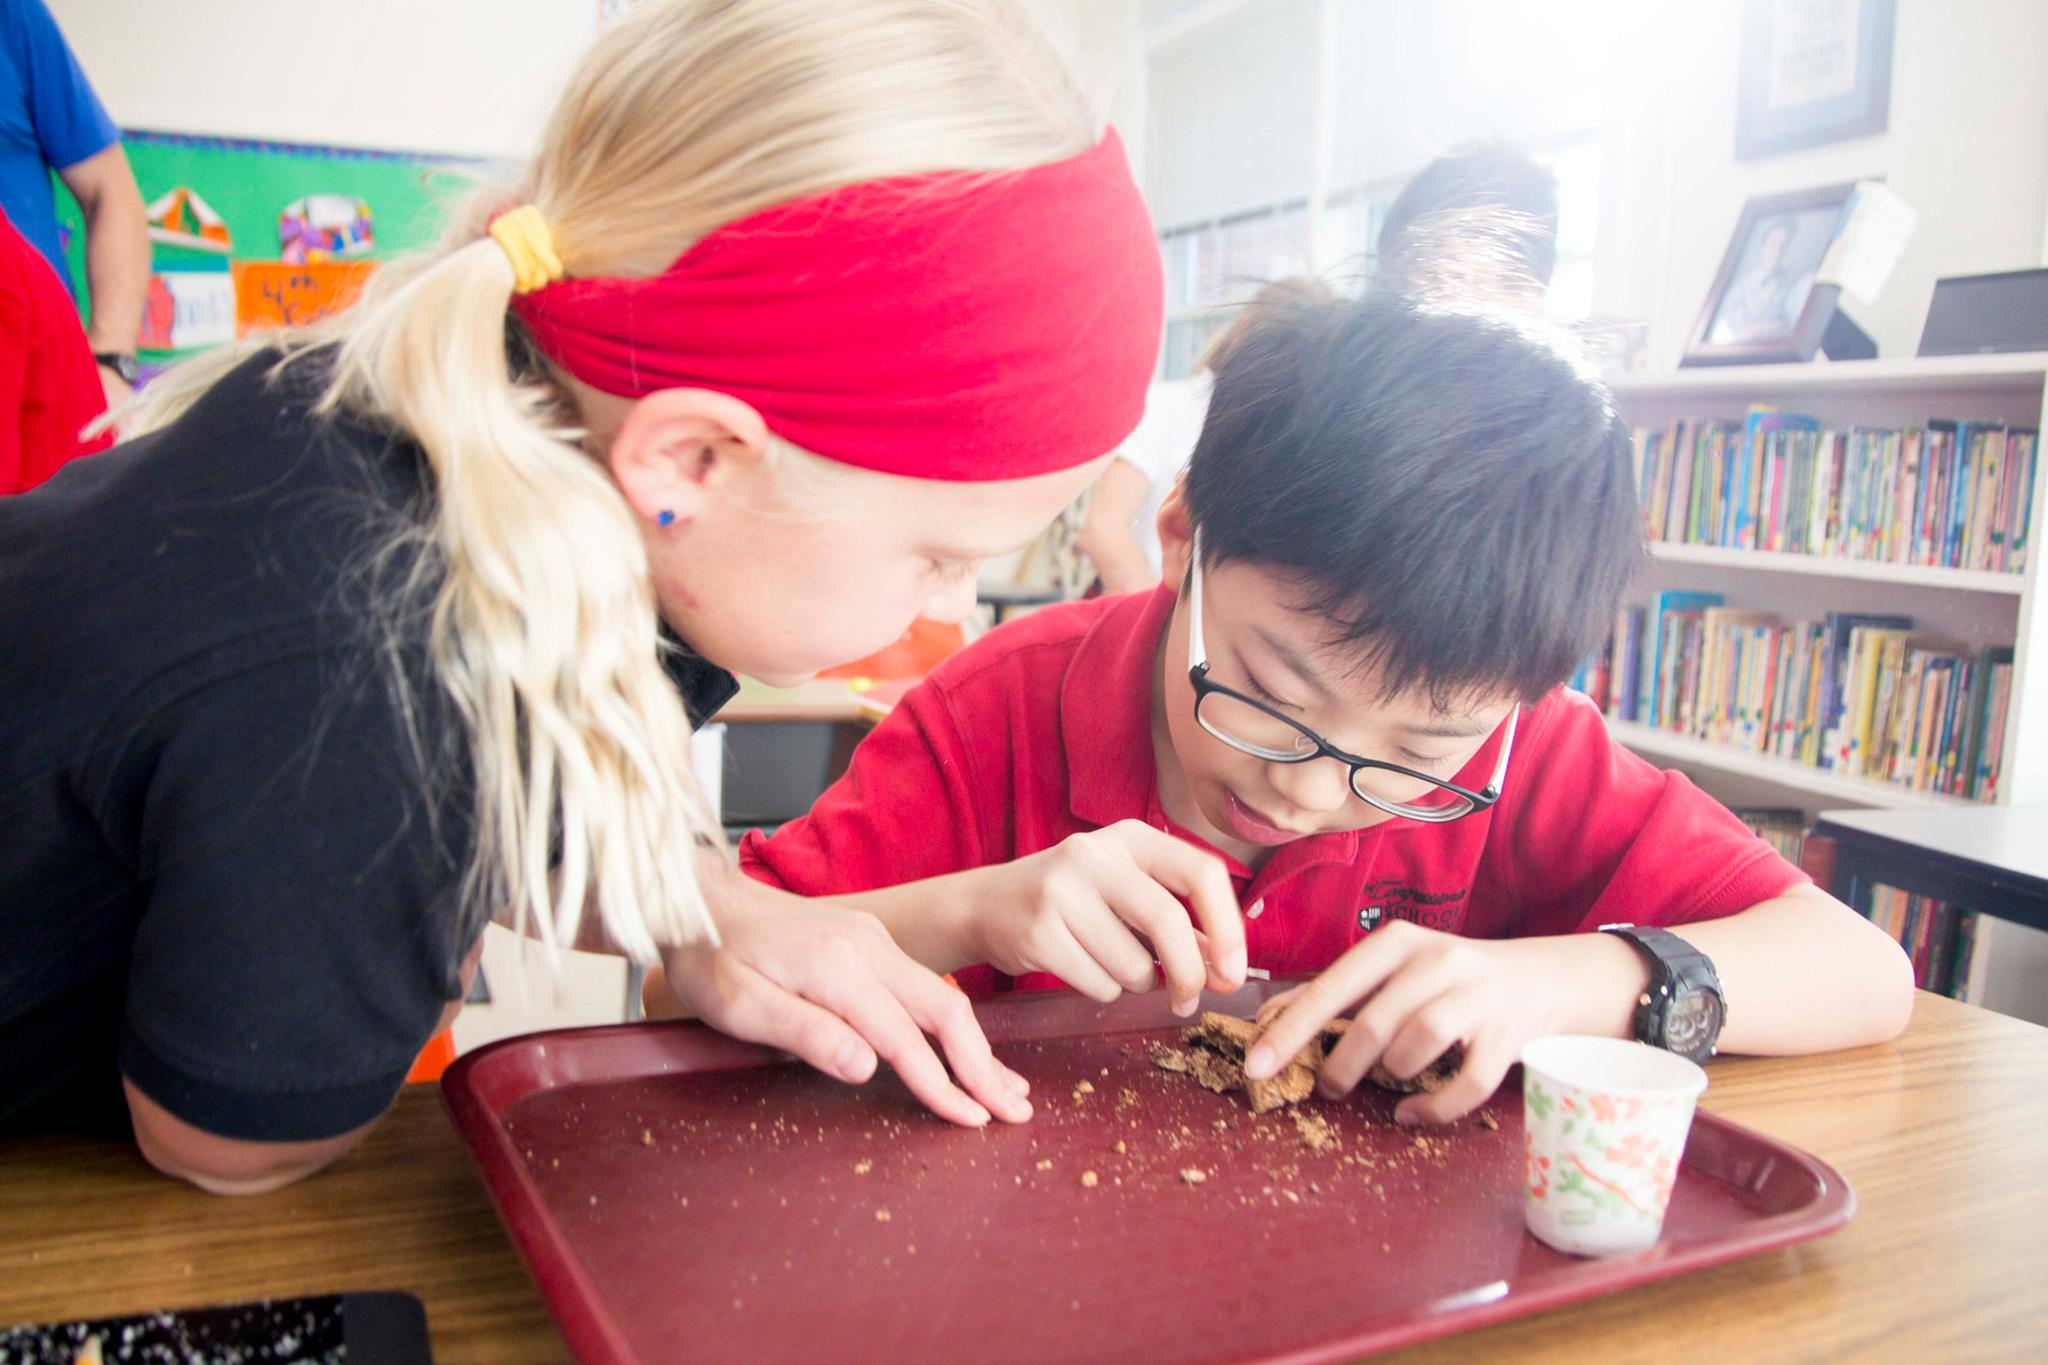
{"type": "Point", "coordinates": [1603, 1128]}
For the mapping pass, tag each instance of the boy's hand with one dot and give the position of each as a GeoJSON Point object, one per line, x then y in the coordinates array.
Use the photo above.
{"type": "Point", "coordinates": [828, 984]}
{"type": "Point", "coordinates": [1086, 909]}
{"type": "Point", "coordinates": [1424, 990]}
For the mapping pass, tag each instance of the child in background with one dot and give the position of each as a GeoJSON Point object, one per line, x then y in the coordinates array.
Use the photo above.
{"type": "Point", "coordinates": [1120, 535]}
{"type": "Point", "coordinates": [1400, 532]}
{"type": "Point", "coordinates": [1493, 192]}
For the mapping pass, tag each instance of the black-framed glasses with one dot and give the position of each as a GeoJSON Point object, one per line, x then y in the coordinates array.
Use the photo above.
{"type": "Point", "coordinates": [1251, 727]}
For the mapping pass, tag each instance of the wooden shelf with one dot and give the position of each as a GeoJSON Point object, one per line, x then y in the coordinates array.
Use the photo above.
{"type": "Point", "coordinates": [1783, 772]}
{"type": "Point", "coordinates": [1830, 566]}
{"type": "Point", "coordinates": [1935, 374]}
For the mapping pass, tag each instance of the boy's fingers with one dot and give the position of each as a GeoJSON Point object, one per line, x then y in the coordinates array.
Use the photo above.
{"type": "Point", "coordinates": [1378, 1023]}
{"type": "Point", "coordinates": [1274, 1005]}
{"type": "Point", "coordinates": [1343, 983]}
{"type": "Point", "coordinates": [878, 1016]}
{"type": "Point", "coordinates": [1103, 934]}
{"type": "Point", "coordinates": [942, 1011]}
{"type": "Point", "coordinates": [1150, 909]}
{"type": "Point", "coordinates": [1069, 960]}
{"type": "Point", "coordinates": [1432, 1029]}
{"type": "Point", "coordinates": [1485, 1066]}
{"type": "Point", "coordinates": [1201, 879]}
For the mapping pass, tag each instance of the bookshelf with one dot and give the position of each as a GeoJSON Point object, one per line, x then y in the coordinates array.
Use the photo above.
{"type": "Point", "coordinates": [1920, 376]}
{"type": "Point", "coordinates": [1976, 608]}
{"type": "Point", "coordinates": [1814, 786]}
{"type": "Point", "coordinates": [1973, 608]}
{"type": "Point", "coordinates": [1835, 566]}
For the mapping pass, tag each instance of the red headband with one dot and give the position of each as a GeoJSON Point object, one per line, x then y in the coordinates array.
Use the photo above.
{"type": "Point", "coordinates": [953, 326]}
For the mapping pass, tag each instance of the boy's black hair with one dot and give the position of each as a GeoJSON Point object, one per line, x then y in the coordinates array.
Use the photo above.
{"type": "Point", "coordinates": [1450, 491]}
{"type": "Point", "coordinates": [1488, 177]}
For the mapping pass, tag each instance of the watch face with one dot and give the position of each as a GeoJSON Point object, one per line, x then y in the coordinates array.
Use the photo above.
{"type": "Point", "coordinates": [1693, 1023]}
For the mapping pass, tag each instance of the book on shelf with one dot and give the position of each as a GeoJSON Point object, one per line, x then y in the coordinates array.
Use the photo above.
{"type": "Point", "coordinates": [1854, 693]}
{"type": "Point", "coordinates": [1953, 494]}
{"type": "Point", "coordinates": [1947, 944]}
{"type": "Point", "coordinates": [1939, 937]}
{"type": "Point", "coordinates": [1784, 829]}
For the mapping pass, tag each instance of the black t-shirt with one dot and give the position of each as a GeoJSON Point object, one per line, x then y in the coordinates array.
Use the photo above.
{"type": "Point", "coordinates": [228, 863]}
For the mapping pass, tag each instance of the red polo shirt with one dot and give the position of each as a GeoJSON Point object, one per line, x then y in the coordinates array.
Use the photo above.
{"type": "Point", "coordinates": [1042, 730]}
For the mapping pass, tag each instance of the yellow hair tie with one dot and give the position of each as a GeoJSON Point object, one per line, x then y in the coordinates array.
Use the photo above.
{"type": "Point", "coordinates": [528, 244]}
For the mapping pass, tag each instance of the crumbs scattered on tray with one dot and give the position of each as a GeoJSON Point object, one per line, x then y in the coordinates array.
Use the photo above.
{"type": "Point", "coordinates": [1136, 1125]}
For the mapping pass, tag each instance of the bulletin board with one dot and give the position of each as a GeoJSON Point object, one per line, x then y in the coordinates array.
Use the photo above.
{"type": "Point", "coordinates": [240, 187]}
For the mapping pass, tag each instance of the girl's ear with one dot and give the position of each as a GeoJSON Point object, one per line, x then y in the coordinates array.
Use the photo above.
{"type": "Point", "coordinates": [677, 448]}
{"type": "Point", "coordinates": [1176, 535]}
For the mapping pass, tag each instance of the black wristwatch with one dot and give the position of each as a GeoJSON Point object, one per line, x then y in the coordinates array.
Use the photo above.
{"type": "Point", "coordinates": [1683, 1009]}
{"type": "Point", "coordinates": [122, 363]}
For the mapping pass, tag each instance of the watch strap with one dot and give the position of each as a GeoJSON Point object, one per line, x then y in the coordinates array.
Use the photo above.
{"type": "Point", "coordinates": [122, 363]}
{"type": "Point", "coordinates": [1672, 960]}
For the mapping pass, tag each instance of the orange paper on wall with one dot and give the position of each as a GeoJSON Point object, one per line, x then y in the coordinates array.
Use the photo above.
{"type": "Point", "coordinates": [272, 294]}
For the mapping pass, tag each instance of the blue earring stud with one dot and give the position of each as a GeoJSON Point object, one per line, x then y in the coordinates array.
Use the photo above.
{"type": "Point", "coordinates": [664, 518]}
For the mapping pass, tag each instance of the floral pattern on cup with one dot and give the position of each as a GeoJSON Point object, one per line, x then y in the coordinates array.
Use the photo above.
{"type": "Point", "coordinates": [1601, 1160]}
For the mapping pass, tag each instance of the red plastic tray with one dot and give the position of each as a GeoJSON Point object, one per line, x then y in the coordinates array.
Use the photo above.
{"type": "Point", "coordinates": [679, 1195]}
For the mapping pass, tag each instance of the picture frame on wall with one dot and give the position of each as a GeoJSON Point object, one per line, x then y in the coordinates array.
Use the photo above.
{"type": "Point", "coordinates": [1813, 72]}
{"type": "Point", "coordinates": [1765, 305]}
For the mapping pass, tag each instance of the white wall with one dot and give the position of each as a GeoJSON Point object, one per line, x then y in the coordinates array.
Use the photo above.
{"type": "Point", "coordinates": [1238, 96]}
{"type": "Point", "coordinates": [470, 77]}
{"type": "Point", "coordinates": [1967, 147]}
{"type": "Point", "coordinates": [1102, 46]}
{"type": "Point", "coordinates": [1967, 144]}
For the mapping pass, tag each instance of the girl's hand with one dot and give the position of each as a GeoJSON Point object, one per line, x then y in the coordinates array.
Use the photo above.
{"type": "Point", "coordinates": [1424, 991]}
{"type": "Point", "coordinates": [1086, 910]}
{"type": "Point", "coordinates": [828, 984]}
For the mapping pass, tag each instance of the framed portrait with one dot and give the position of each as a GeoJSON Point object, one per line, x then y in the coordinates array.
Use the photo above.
{"type": "Point", "coordinates": [1765, 305]}
{"type": "Point", "coordinates": [1813, 72]}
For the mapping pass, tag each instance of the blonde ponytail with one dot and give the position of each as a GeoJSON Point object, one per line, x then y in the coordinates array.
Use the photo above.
{"type": "Point", "coordinates": [545, 636]}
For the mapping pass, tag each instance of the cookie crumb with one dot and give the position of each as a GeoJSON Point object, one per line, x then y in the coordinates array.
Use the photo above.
{"type": "Point", "coordinates": [1317, 1133]}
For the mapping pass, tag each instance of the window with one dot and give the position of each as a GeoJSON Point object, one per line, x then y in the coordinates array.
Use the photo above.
{"type": "Point", "coordinates": [1239, 104]}
{"type": "Point", "coordinates": [1212, 267]}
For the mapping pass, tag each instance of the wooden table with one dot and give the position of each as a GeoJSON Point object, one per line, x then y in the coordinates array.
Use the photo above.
{"type": "Point", "coordinates": [1988, 858]}
{"type": "Point", "coordinates": [825, 701]}
{"type": "Point", "coordinates": [1944, 1135]}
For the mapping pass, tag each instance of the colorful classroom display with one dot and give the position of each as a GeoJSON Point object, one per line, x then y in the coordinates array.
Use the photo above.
{"type": "Point", "coordinates": [1954, 494]}
{"type": "Point", "coordinates": [324, 227]}
{"type": "Point", "coordinates": [250, 235]}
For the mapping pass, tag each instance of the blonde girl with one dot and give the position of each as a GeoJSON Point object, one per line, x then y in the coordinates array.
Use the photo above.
{"type": "Point", "coordinates": [799, 313]}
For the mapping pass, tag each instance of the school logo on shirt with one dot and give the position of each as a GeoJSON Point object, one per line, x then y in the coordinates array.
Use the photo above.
{"type": "Point", "coordinates": [1430, 909]}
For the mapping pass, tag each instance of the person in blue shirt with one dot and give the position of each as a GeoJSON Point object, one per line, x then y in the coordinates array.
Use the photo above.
{"type": "Point", "coordinates": [50, 119]}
